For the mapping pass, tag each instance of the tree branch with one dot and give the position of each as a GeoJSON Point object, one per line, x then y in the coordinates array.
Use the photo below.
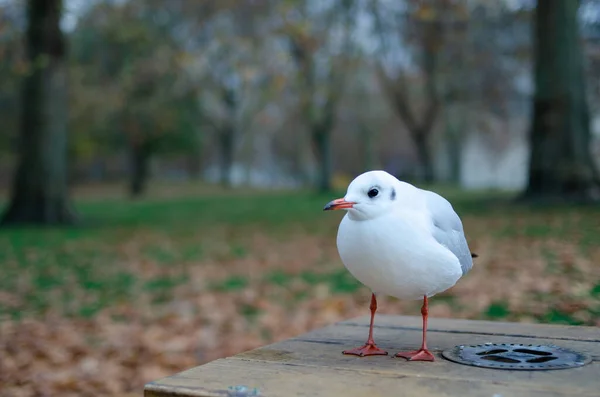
{"type": "Point", "coordinates": [396, 94]}
{"type": "Point", "coordinates": [430, 58]}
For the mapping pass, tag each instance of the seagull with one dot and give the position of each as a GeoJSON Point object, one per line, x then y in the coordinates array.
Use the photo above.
{"type": "Point", "coordinates": [401, 241]}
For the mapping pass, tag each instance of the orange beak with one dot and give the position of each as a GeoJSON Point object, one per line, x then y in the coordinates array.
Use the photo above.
{"type": "Point", "coordinates": [338, 204]}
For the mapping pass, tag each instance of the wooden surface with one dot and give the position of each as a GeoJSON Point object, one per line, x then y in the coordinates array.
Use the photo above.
{"type": "Point", "coordinates": [313, 364]}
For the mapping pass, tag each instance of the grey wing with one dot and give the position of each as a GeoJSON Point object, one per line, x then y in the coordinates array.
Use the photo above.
{"type": "Point", "coordinates": [448, 229]}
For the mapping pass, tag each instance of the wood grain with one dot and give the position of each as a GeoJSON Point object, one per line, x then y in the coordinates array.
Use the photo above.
{"type": "Point", "coordinates": [312, 364]}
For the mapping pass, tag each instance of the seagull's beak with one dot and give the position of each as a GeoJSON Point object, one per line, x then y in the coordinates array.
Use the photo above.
{"type": "Point", "coordinates": [338, 204]}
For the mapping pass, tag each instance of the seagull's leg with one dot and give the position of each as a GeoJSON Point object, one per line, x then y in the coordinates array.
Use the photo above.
{"type": "Point", "coordinates": [423, 354]}
{"type": "Point", "coordinates": [369, 349]}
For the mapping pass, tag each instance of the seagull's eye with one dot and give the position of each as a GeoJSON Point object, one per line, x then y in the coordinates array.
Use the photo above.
{"type": "Point", "coordinates": [372, 193]}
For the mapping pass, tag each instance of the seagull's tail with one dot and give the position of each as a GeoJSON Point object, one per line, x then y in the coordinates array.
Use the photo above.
{"type": "Point", "coordinates": [474, 255]}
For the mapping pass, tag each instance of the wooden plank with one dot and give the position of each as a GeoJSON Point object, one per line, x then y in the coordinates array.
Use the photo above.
{"type": "Point", "coordinates": [328, 355]}
{"type": "Point", "coordinates": [312, 364]}
{"type": "Point", "coordinates": [551, 331]}
{"type": "Point", "coordinates": [403, 338]}
{"type": "Point", "coordinates": [276, 379]}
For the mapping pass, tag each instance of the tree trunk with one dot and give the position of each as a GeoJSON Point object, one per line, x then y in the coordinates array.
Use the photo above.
{"type": "Point", "coordinates": [194, 157]}
{"type": "Point", "coordinates": [140, 169]}
{"type": "Point", "coordinates": [226, 144]}
{"type": "Point", "coordinates": [301, 161]}
{"type": "Point", "coordinates": [454, 141]}
{"type": "Point", "coordinates": [194, 165]}
{"type": "Point", "coordinates": [368, 144]}
{"type": "Point", "coordinates": [322, 143]}
{"type": "Point", "coordinates": [560, 164]}
{"type": "Point", "coordinates": [454, 149]}
{"type": "Point", "coordinates": [40, 188]}
{"type": "Point", "coordinates": [422, 144]}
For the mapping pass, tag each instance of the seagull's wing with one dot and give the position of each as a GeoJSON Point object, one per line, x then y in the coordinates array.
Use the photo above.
{"type": "Point", "coordinates": [448, 229]}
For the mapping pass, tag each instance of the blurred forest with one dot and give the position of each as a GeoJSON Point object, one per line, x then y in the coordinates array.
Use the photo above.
{"type": "Point", "coordinates": [198, 140]}
{"type": "Point", "coordinates": [286, 93]}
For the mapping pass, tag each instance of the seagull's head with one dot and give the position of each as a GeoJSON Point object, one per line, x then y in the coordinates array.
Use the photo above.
{"type": "Point", "coordinates": [368, 196]}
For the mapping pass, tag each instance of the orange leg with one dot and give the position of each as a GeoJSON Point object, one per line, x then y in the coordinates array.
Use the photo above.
{"type": "Point", "coordinates": [369, 349]}
{"type": "Point", "coordinates": [423, 354]}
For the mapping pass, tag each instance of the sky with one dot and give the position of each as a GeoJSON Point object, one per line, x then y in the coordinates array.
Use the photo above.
{"type": "Point", "coordinates": [589, 11]}
{"type": "Point", "coordinates": [73, 8]}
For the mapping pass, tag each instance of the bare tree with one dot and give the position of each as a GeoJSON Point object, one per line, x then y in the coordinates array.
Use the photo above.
{"type": "Point", "coordinates": [560, 165]}
{"type": "Point", "coordinates": [321, 83]}
{"type": "Point", "coordinates": [39, 193]}
{"type": "Point", "coordinates": [225, 129]}
{"type": "Point", "coordinates": [428, 32]}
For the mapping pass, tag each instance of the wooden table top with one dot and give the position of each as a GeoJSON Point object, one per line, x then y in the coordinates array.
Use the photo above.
{"type": "Point", "coordinates": [313, 364]}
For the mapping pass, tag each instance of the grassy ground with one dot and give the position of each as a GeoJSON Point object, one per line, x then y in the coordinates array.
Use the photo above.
{"type": "Point", "coordinates": [145, 289]}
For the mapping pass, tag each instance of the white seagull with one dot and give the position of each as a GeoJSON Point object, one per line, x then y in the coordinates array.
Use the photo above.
{"type": "Point", "coordinates": [401, 241]}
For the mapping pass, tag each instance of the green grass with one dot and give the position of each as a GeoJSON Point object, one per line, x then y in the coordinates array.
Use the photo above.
{"type": "Point", "coordinates": [43, 267]}
{"type": "Point", "coordinates": [268, 209]}
{"type": "Point", "coordinates": [338, 281]}
{"type": "Point", "coordinates": [233, 283]}
{"type": "Point", "coordinates": [558, 317]}
{"type": "Point", "coordinates": [497, 310]}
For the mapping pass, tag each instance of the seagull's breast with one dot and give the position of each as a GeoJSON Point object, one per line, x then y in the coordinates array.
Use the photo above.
{"type": "Point", "coordinates": [396, 255]}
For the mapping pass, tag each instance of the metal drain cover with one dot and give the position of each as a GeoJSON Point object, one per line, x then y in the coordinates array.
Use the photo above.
{"type": "Point", "coordinates": [516, 356]}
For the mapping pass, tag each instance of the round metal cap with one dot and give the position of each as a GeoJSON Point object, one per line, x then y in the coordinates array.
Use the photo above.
{"type": "Point", "coordinates": [517, 356]}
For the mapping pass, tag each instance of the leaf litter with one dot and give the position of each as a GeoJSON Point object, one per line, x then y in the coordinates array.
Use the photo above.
{"type": "Point", "coordinates": [247, 287]}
